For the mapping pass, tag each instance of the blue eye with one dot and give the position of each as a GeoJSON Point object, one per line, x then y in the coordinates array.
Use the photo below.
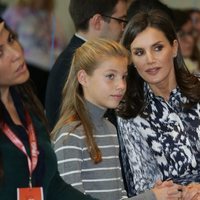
{"type": "Point", "coordinates": [110, 76]}
{"type": "Point", "coordinates": [125, 77]}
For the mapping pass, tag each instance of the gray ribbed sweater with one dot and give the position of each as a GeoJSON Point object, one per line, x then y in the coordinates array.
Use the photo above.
{"type": "Point", "coordinates": [103, 180]}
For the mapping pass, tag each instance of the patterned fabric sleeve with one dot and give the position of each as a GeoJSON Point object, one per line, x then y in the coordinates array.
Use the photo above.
{"type": "Point", "coordinates": [140, 166]}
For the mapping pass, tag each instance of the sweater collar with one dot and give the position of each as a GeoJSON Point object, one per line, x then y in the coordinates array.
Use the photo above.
{"type": "Point", "coordinates": [96, 113]}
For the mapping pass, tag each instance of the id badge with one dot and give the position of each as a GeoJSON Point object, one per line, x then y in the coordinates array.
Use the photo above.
{"type": "Point", "coordinates": [34, 193]}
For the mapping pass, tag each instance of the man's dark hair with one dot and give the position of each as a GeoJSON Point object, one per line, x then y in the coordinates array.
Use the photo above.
{"type": "Point", "coordinates": [82, 10]}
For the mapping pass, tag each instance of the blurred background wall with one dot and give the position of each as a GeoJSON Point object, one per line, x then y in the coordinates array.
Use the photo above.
{"type": "Point", "coordinates": [182, 3]}
{"type": "Point", "coordinates": [62, 11]}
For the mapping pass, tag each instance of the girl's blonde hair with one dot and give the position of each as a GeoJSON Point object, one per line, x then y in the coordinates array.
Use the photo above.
{"type": "Point", "coordinates": [73, 108]}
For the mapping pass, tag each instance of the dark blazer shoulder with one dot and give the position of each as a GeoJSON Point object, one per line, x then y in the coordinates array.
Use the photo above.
{"type": "Point", "coordinates": [74, 43]}
{"type": "Point", "coordinates": [64, 59]}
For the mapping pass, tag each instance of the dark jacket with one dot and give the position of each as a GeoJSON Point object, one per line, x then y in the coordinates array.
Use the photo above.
{"type": "Point", "coordinates": [57, 78]}
{"type": "Point", "coordinates": [15, 166]}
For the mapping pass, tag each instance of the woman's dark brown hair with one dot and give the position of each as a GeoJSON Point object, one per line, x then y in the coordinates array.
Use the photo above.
{"type": "Point", "coordinates": [134, 97]}
{"type": "Point", "coordinates": [30, 102]}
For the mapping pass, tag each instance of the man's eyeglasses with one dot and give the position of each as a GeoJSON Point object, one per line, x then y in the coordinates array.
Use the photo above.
{"type": "Point", "coordinates": [117, 19]}
{"type": "Point", "coordinates": [183, 34]}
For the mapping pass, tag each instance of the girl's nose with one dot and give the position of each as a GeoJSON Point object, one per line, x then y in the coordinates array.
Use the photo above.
{"type": "Point", "coordinates": [122, 84]}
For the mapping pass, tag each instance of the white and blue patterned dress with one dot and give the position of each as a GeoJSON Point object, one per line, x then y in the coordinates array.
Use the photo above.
{"type": "Point", "coordinates": [162, 143]}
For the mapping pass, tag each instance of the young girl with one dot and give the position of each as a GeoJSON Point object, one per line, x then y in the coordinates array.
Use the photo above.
{"type": "Point", "coordinates": [85, 142]}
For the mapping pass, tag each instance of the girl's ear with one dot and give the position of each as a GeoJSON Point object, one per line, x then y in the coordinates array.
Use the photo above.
{"type": "Point", "coordinates": [82, 77]}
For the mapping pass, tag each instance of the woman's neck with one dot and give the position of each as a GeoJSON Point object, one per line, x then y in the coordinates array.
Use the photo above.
{"type": "Point", "coordinates": [7, 100]}
{"type": "Point", "coordinates": [5, 95]}
{"type": "Point", "coordinates": [164, 90]}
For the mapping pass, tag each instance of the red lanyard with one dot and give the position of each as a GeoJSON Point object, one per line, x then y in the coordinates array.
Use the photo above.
{"type": "Point", "coordinates": [32, 162]}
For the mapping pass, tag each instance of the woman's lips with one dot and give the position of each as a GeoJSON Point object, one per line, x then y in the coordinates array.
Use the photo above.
{"type": "Point", "coordinates": [22, 68]}
{"type": "Point", "coordinates": [153, 71]}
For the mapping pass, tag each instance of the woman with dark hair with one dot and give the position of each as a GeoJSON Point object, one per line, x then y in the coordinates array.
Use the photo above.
{"type": "Point", "coordinates": [159, 118]}
{"type": "Point", "coordinates": [188, 45]}
{"type": "Point", "coordinates": [195, 17]}
{"type": "Point", "coordinates": [28, 165]}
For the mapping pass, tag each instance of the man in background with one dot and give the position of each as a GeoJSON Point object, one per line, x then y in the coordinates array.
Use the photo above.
{"type": "Point", "coordinates": [92, 19]}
